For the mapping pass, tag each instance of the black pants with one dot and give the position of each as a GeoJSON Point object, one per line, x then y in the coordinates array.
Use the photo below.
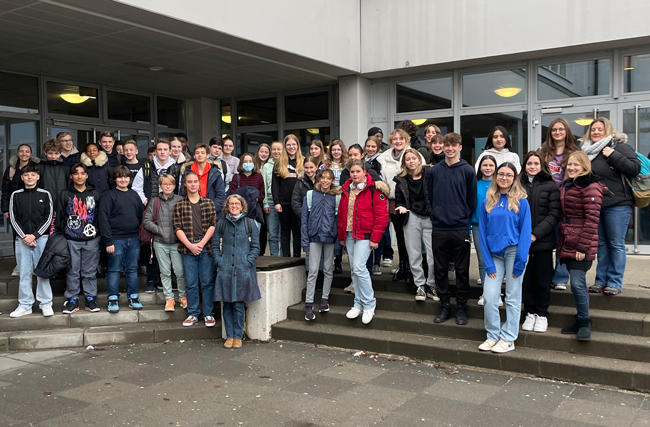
{"type": "Point", "coordinates": [289, 224]}
{"type": "Point", "coordinates": [263, 233]}
{"type": "Point", "coordinates": [153, 274]}
{"type": "Point", "coordinates": [452, 246]}
{"type": "Point", "coordinates": [398, 225]}
{"type": "Point", "coordinates": [536, 287]}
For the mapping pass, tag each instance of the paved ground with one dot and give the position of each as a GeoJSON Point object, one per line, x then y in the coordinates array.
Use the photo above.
{"type": "Point", "coordinates": [284, 384]}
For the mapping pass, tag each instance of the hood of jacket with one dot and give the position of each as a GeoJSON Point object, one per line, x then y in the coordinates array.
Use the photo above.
{"type": "Point", "coordinates": [540, 177]}
{"type": "Point", "coordinates": [89, 187]}
{"type": "Point", "coordinates": [13, 161]}
{"type": "Point", "coordinates": [304, 178]}
{"type": "Point", "coordinates": [188, 165]}
{"type": "Point", "coordinates": [333, 190]}
{"type": "Point", "coordinates": [379, 185]}
{"type": "Point", "coordinates": [100, 161]}
{"type": "Point", "coordinates": [56, 162]}
{"type": "Point", "coordinates": [582, 181]}
{"type": "Point", "coordinates": [619, 138]}
{"type": "Point", "coordinates": [416, 143]}
{"type": "Point", "coordinates": [157, 165]}
{"type": "Point", "coordinates": [455, 165]}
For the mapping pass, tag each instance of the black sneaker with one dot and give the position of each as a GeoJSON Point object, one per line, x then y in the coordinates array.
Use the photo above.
{"type": "Point", "coordinates": [445, 313]}
{"type": "Point", "coordinates": [420, 295]}
{"type": "Point", "coordinates": [309, 312]}
{"type": "Point", "coordinates": [151, 287]}
{"type": "Point", "coordinates": [461, 315]}
{"type": "Point", "coordinates": [324, 305]}
{"type": "Point", "coordinates": [71, 306]}
{"type": "Point", "coordinates": [91, 305]}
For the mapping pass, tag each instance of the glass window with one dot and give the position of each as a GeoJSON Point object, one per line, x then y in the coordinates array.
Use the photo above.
{"type": "Point", "coordinates": [475, 129]}
{"type": "Point", "coordinates": [257, 112]}
{"type": "Point", "coordinates": [573, 79]}
{"type": "Point", "coordinates": [18, 93]}
{"type": "Point", "coordinates": [72, 100]}
{"type": "Point", "coordinates": [128, 107]}
{"type": "Point", "coordinates": [578, 122]}
{"type": "Point", "coordinates": [636, 73]}
{"type": "Point", "coordinates": [421, 95]}
{"type": "Point", "coordinates": [307, 107]}
{"type": "Point", "coordinates": [171, 112]}
{"type": "Point", "coordinates": [248, 142]}
{"type": "Point", "coordinates": [306, 136]}
{"type": "Point", "coordinates": [141, 140]}
{"type": "Point", "coordinates": [226, 117]}
{"type": "Point", "coordinates": [498, 87]}
{"type": "Point", "coordinates": [80, 138]}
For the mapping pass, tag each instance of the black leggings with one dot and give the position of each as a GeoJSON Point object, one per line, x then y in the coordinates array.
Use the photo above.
{"type": "Point", "coordinates": [263, 232]}
{"type": "Point", "coordinates": [289, 224]}
{"type": "Point", "coordinates": [398, 225]}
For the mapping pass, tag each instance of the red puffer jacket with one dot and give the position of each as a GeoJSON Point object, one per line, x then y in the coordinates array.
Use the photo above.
{"type": "Point", "coordinates": [370, 214]}
{"type": "Point", "coordinates": [581, 202]}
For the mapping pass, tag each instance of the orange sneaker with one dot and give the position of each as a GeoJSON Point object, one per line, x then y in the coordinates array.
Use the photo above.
{"type": "Point", "coordinates": [228, 343]}
{"type": "Point", "coordinates": [236, 343]}
{"type": "Point", "coordinates": [169, 304]}
{"type": "Point", "coordinates": [183, 302]}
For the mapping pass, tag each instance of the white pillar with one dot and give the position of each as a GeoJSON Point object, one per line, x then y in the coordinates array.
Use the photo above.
{"type": "Point", "coordinates": [354, 111]}
{"type": "Point", "coordinates": [199, 121]}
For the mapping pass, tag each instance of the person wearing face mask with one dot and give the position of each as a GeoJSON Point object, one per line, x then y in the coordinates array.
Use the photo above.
{"type": "Point", "coordinates": [499, 146]}
{"type": "Point", "coordinates": [249, 184]}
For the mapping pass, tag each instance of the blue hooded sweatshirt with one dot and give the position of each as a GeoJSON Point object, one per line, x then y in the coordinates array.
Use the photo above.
{"type": "Point", "coordinates": [502, 228]}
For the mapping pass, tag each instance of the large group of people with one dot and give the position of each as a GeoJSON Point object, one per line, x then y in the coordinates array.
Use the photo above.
{"type": "Point", "coordinates": [206, 216]}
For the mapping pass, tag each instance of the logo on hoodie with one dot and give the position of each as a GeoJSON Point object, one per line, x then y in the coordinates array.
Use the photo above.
{"type": "Point", "coordinates": [81, 215]}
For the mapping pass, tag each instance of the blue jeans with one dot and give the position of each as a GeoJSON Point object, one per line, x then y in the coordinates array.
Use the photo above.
{"type": "Point", "coordinates": [561, 274]}
{"type": "Point", "coordinates": [234, 317]}
{"type": "Point", "coordinates": [125, 257]}
{"type": "Point", "coordinates": [197, 268]}
{"type": "Point", "coordinates": [387, 250]}
{"type": "Point", "coordinates": [612, 229]}
{"type": "Point", "coordinates": [580, 293]}
{"type": "Point", "coordinates": [358, 252]}
{"type": "Point", "coordinates": [273, 225]}
{"type": "Point", "coordinates": [479, 255]}
{"type": "Point", "coordinates": [491, 290]}
{"type": "Point", "coordinates": [27, 258]}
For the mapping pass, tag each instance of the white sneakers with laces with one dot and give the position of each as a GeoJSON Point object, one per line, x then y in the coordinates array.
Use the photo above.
{"type": "Point", "coordinates": [541, 324]}
{"type": "Point", "coordinates": [368, 315]}
{"type": "Point", "coordinates": [353, 313]}
{"type": "Point", "coordinates": [503, 346]}
{"type": "Point", "coordinates": [487, 345]}
{"type": "Point", "coordinates": [529, 323]}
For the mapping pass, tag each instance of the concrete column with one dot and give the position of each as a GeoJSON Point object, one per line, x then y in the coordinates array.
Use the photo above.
{"type": "Point", "coordinates": [199, 121]}
{"type": "Point", "coordinates": [354, 111]}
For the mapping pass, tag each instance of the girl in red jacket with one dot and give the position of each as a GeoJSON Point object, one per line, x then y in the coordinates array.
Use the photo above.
{"type": "Point", "coordinates": [582, 197]}
{"type": "Point", "coordinates": [362, 219]}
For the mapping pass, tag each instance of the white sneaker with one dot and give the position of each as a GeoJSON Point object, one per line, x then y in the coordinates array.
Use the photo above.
{"type": "Point", "coordinates": [452, 274]}
{"type": "Point", "coordinates": [529, 323]}
{"type": "Point", "coordinates": [560, 287]}
{"type": "Point", "coordinates": [368, 315]}
{"type": "Point", "coordinates": [500, 301]}
{"type": "Point", "coordinates": [487, 345]}
{"type": "Point", "coordinates": [478, 281]}
{"type": "Point", "coordinates": [503, 346]}
{"type": "Point", "coordinates": [394, 270]}
{"type": "Point", "coordinates": [481, 301]}
{"type": "Point", "coordinates": [15, 272]}
{"type": "Point", "coordinates": [541, 324]}
{"type": "Point", "coordinates": [387, 263]}
{"type": "Point", "coordinates": [47, 311]}
{"type": "Point", "coordinates": [349, 289]}
{"type": "Point", "coordinates": [20, 312]}
{"type": "Point", "coordinates": [353, 313]}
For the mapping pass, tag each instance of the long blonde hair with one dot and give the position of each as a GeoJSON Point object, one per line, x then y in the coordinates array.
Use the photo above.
{"type": "Point", "coordinates": [515, 194]}
{"type": "Point", "coordinates": [405, 170]}
{"type": "Point", "coordinates": [609, 129]}
{"type": "Point", "coordinates": [282, 167]}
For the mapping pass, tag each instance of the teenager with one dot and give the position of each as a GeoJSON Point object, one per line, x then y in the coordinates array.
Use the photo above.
{"type": "Point", "coordinates": [119, 147]}
{"type": "Point", "coordinates": [544, 201]}
{"type": "Point", "coordinates": [69, 153]}
{"type": "Point", "coordinates": [615, 163]}
{"type": "Point", "coordinates": [362, 219]}
{"type": "Point", "coordinates": [30, 216]}
{"type": "Point", "coordinates": [318, 235]}
{"type": "Point", "coordinates": [484, 178]}
{"type": "Point", "coordinates": [195, 219]}
{"type": "Point", "coordinates": [248, 175]}
{"type": "Point", "coordinates": [272, 216]}
{"type": "Point", "coordinates": [209, 173]}
{"type": "Point", "coordinates": [285, 176]}
{"type": "Point", "coordinates": [355, 152]}
{"type": "Point", "coordinates": [216, 155]}
{"type": "Point", "coordinates": [452, 193]}
{"type": "Point", "coordinates": [151, 153]}
{"type": "Point", "coordinates": [100, 174]}
{"type": "Point", "coordinates": [436, 147]}
{"type": "Point", "coordinates": [182, 137]}
{"type": "Point", "coordinates": [305, 183]}
{"type": "Point", "coordinates": [54, 177]}
{"type": "Point", "coordinates": [499, 146]}
{"type": "Point", "coordinates": [372, 150]}
{"type": "Point", "coordinates": [11, 180]}
{"type": "Point", "coordinates": [412, 201]}
{"type": "Point", "coordinates": [77, 219]}
{"type": "Point", "coordinates": [176, 151]}
{"type": "Point", "coordinates": [227, 156]}
{"type": "Point", "coordinates": [414, 141]}
{"type": "Point", "coordinates": [165, 242]}
{"type": "Point", "coordinates": [505, 241]}
{"type": "Point", "coordinates": [145, 182]}
{"type": "Point", "coordinates": [235, 253]}
{"type": "Point", "coordinates": [379, 135]}
{"type": "Point", "coordinates": [582, 196]}
{"type": "Point", "coordinates": [107, 143]}
{"type": "Point", "coordinates": [336, 160]}
{"type": "Point", "coordinates": [130, 150]}
{"type": "Point", "coordinates": [262, 155]}
{"type": "Point", "coordinates": [120, 217]}
{"type": "Point", "coordinates": [317, 151]}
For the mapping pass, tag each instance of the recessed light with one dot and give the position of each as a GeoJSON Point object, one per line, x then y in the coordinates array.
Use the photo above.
{"type": "Point", "coordinates": [156, 68]}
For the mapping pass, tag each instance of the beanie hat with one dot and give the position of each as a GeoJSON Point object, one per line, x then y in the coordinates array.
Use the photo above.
{"type": "Point", "coordinates": [374, 131]}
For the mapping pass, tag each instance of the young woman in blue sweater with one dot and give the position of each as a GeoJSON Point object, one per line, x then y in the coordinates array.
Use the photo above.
{"type": "Point", "coordinates": [484, 177]}
{"type": "Point", "coordinates": [505, 237]}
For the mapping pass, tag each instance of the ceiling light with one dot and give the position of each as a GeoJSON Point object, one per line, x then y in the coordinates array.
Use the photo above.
{"type": "Point", "coordinates": [418, 122]}
{"type": "Point", "coordinates": [628, 68]}
{"type": "Point", "coordinates": [584, 122]}
{"type": "Point", "coordinates": [226, 119]}
{"type": "Point", "coordinates": [73, 98]}
{"type": "Point", "coordinates": [313, 131]}
{"type": "Point", "coordinates": [156, 68]}
{"type": "Point", "coordinates": [507, 92]}
{"type": "Point", "coordinates": [88, 92]}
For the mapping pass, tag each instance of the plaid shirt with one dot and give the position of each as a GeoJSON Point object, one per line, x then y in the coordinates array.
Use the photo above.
{"type": "Point", "coordinates": [183, 221]}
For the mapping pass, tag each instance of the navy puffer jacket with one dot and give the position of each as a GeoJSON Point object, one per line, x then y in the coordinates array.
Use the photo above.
{"type": "Point", "coordinates": [320, 223]}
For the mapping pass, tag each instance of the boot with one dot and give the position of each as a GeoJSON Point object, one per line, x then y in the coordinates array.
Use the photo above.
{"type": "Point", "coordinates": [401, 273]}
{"type": "Point", "coordinates": [571, 329]}
{"type": "Point", "coordinates": [584, 333]}
{"type": "Point", "coordinates": [461, 315]}
{"type": "Point", "coordinates": [338, 267]}
{"type": "Point", "coordinates": [445, 313]}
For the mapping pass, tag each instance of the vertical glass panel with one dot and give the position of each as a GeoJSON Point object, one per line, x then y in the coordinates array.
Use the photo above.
{"type": "Point", "coordinates": [498, 87]}
{"type": "Point", "coordinates": [573, 79]}
{"type": "Point", "coordinates": [475, 129]}
{"type": "Point", "coordinates": [307, 107]}
{"type": "Point", "coordinates": [421, 95]}
{"type": "Point", "coordinates": [306, 136]}
{"type": "Point", "coordinates": [140, 139]}
{"type": "Point", "coordinates": [18, 93]}
{"type": "Point", "coordinates": [249, 141]}
{"type": "Point", "coordinates": [171, 112]}
{"type": "Point", "coordinates": [128, 107]}
{"type": "Point", "coordinates": [579, 121]}
{"type": "Point", "coordinates": [629, 128]}
{"type": "Point", "coordinates": [226, 117]}
{"type": "Point", "coordinates": [257, 112]}
{"type": "Point", "coordinates": [22, 132]}
{"type": "Point", "coordinates": [636, 73]}
{"type": "Point", "coordinates": [72, 100]}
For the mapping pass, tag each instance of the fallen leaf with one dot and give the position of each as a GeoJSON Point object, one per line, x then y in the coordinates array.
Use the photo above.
{"type": "Point", "coordinates": [339, 365]}
{"type": "Point", "coordinates": [167, 341]}
{"type": "Point", "coordinates": [165, 399]}
{"type": "Point", "coordinates": [450, 372]}
{"type": "Point", "coordinates": [217, 386]}
{"type": "Point", "coordinates": [47, 393]}
{"type": "Point", "coordinates": [263, 376]}
{"type": "Point", "coordinates": [107, 383]}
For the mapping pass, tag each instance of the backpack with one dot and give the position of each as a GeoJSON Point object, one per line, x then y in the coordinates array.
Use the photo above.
{"type": "Point", "coordinates": [145, 236]}
{"type": "Point", "coordinates": [640, 184]}
{"type": "Point", "coordinates": [247, 225]}
{"type": "Point", "coordinates": [310, 195]}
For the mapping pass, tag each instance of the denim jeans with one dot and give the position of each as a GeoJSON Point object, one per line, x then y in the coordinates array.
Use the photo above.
{"type": "Point", "coordinates": [580, 293]}
{"type": "Point", "coordinates": [491, 291]}
{"type": "Point", "coordinates": [273, 225]}
{"type": "Point", "coordinates": [27, 259]}
{"type": "Point", "coordinates": [124, 258]}
{"type": "Point", "coordinates": [358, 252]}
{"type": "Point", "coordinates": [561, 274]}
{"type": "Point", "coordinates": [479, 255]}
{"type": "Point", "coordinates": [612, 229]}
{"type": "Point", "coordinates": [199, 268]}
{"type": "Point", "coordinates": [168, 257]}
{"type": "Point", "coordinates": [387, 250]}
{"type": "Point", "coordinates": [234, 317]}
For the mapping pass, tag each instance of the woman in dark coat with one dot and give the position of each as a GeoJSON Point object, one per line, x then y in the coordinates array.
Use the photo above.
{"type": "Point", "coordinates": [306, 180]}
{"type": "Point", "coordinates": [545, 212]}
{"type": "Point", "coordinates": [235, 249]}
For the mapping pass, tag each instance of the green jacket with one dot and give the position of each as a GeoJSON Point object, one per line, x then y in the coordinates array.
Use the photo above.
{"type": "Point", "coordinates": [267, 174]}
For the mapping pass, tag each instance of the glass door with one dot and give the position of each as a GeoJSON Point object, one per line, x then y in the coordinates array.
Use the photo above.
{"type": "Point", "coordinates": [579, 119]}
{"type": "Point", "coordinates": [141, 137]}
{"type": "Point", "coordinates": [81, 135]}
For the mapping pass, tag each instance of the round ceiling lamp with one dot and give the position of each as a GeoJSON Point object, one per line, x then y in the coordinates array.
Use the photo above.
{"type": "Point", "coordinates": [584, 122]}
{"type": "Point", "coordinates": [418, 122]}
{"type": "Point", "coordinates": [507, 92]}
{"type": "Point", "coordinates": [73, 98]}
{"type": "Point", "coordinates": [313, 131]}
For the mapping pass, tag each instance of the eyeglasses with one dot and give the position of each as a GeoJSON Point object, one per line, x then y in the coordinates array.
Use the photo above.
{"type": "Point", "coordinates": [558, 130]}
{"type": "Point", "coordinates": [505, 175]}
{"type": "Point", "coordinates": [234, 203]}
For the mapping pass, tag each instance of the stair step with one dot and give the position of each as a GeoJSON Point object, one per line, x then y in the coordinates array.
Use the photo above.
{"type": "Point", "coordinates": [8, 303]}
{"type": "Point", "coordinates": [543, 363]}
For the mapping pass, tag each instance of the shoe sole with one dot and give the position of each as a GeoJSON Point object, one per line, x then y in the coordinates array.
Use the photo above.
{"type": "Point", "coordinates": [502, 352]}
{"type": "Point", "coordinates": [20, 315]}
{"type": "Point", "coordinates": [149, 292]}
{"type": "Point", "coordinates": [187, 325]}
{"type": "Point", "coordinates": [420, 298]}
{"type": "Point", "coordinates": [135, 308]}
{"type": "Point", "coordinates": [540, 332]}
{"type": "Point", "coordinates": [114, 311]}
{"type": "Point", "coordinates": [70, 311]}
{"type": "Point", "coordinates": [96, 310]}
{"type": "Point", "coordinates": [169, 310]}
{"type": "Point", "coordinates": [208, 325]}
{"type": "Point", "coordinates": [324, 310]}
{"type": "Point", "coordinates": [376, 274]}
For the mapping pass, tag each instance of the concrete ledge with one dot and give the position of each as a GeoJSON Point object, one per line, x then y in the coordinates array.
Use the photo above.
{"type": "Point", "coordinates": [33, 321]}
{"type": "Point", "coordinates": [177, 332]}
{"type": "Point", "coordinates": [4, 341]}
{"type": "Point", "coordinates": [158, 314]}
{"type": "Point", "coordinates": [38, 340]}
{"type": "Point", "coordinates": [121, 334]}
{"type": "Point", "coordinates": [86, 319]}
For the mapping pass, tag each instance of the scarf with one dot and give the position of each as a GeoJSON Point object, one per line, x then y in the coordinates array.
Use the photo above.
{"type": "Point", "coordinates": [234, 218]}
{"type": "Point", "coordinates": [593, 149]}
{"type": "Point", "coordinates": [370, 159]}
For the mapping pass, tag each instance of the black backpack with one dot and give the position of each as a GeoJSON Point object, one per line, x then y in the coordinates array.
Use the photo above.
{"type": "Point", "coordinates": [247, 224]}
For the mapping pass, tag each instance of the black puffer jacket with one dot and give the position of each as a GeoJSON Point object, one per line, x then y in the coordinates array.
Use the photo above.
{"type": "Point", "coordinates": [11, 180]}
{"type": "Point", "coordinates": [402, 197]}
{"type": "Point", "coordinates": [54, 177]}
{"type": "Point", "coordinates": [434, 158]}
{"type": "Point", "coordinates": [55, 257]}
{"type": "Point", "coordinates": [300, 190]}
{"type": "Point", "coordinates": [623, 161]}
{"type": "Point", "coordinates": [545, 209]}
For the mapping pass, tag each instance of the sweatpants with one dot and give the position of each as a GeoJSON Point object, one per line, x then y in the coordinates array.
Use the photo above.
{"type": "Point", "coordinates": [451, 246]}
{"type": "Point", "coordinates": [416, 231]}
{"type": "Point", "coordinates": [536, 287]}
{"type": "Point", "coordinates": [315, 250]}
{"type": "Point", "coordinates": [84, 258]}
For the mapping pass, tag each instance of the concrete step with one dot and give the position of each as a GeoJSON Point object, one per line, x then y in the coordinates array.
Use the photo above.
{"type": "Point", "coordinates": [546, 363]}
{"type": "Point", "coordinates": [624, 347]}
{"type": "Point", "coordinates": [559, 316]}
{"type": "Point", "coordinates": [8, 303]}
{"type": "Point", "coordinates": [58, 285]}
